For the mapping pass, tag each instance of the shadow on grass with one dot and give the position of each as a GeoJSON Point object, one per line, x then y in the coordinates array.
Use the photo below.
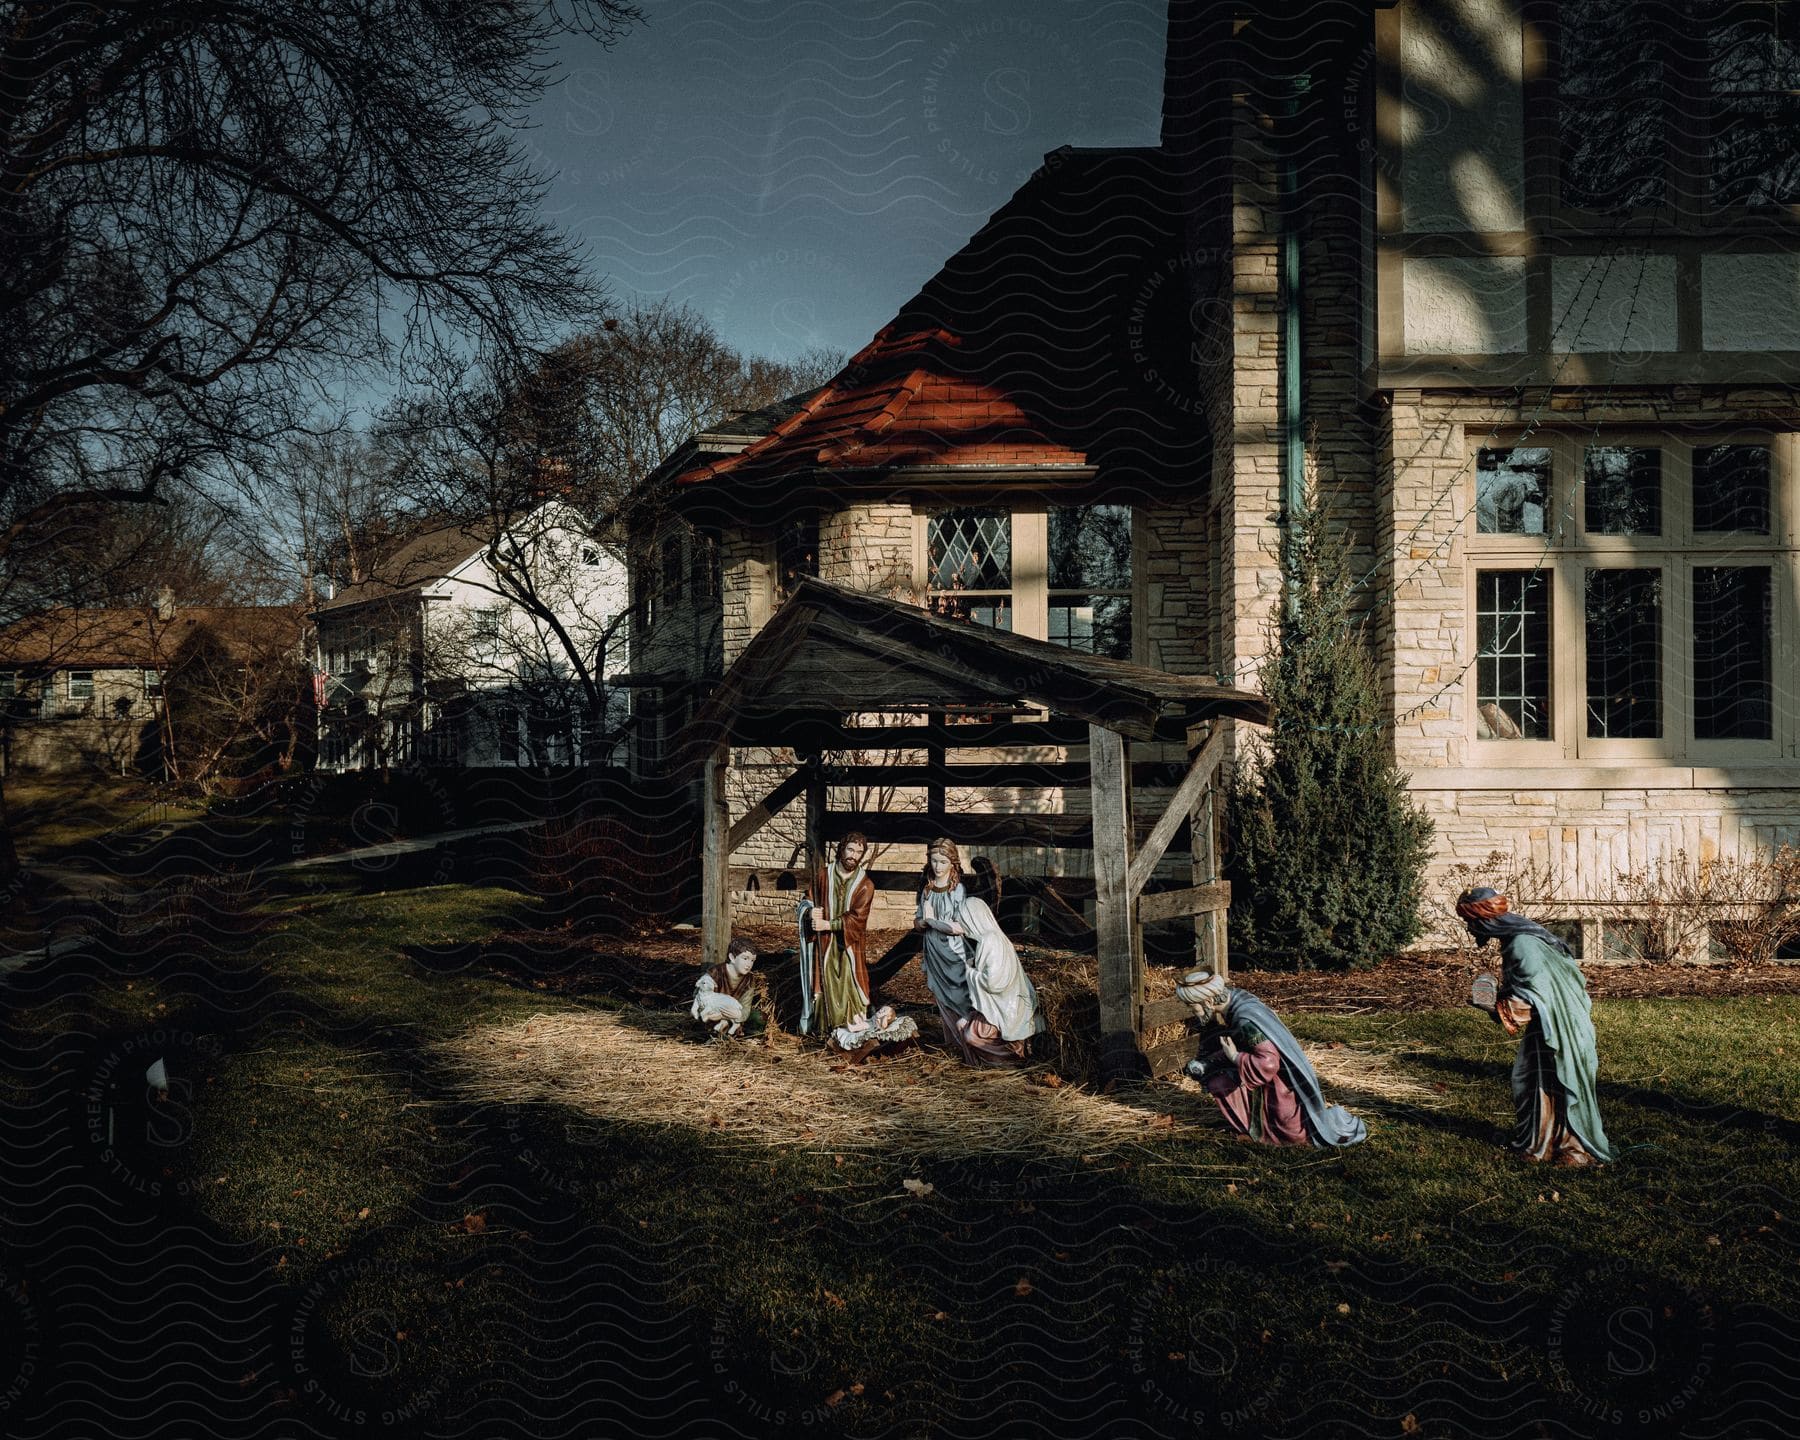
{"type": "Point", "coordinates": [528, 1259]}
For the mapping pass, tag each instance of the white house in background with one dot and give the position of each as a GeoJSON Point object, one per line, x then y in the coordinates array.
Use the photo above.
{"type": "Point", "coordinates": [477, 645]}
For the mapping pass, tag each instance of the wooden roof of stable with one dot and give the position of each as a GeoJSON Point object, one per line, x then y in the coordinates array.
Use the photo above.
{"type": "Point", "coordinates": [830, 653]}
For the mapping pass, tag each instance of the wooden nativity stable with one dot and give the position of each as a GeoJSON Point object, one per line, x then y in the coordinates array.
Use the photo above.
{"type": "Point", "coordinates": [839, 676]}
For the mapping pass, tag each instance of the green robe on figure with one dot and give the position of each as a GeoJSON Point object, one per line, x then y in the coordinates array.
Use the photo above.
{"type": "Point", "coordinates": [1554, 1074]}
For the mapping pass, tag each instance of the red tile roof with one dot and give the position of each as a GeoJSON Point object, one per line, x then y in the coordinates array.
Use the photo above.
{"type": "Point", "coordinates": [1040, 345]}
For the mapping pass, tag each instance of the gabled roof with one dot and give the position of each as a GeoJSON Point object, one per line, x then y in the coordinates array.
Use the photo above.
{"type": "Point", "coordinates": [1052, 340]}
{"type": "Point", "coordinates": [420, 562]}
{"type": "Point", "coordinates": [70, 638]}
{"type": "Point", "coordinates": [831, 652]}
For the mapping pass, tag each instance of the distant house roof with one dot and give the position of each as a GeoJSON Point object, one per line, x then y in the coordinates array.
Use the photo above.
{"type": "Point", "coordinates": [1052, 340]}
{"type": "Point", "coordinates": [420, 562]}
{"type": "Point", "coordinates": [71, 638]}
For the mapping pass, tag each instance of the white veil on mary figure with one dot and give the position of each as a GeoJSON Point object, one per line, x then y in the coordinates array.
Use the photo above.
{"type": "Point", "coordinates": [998, 985]}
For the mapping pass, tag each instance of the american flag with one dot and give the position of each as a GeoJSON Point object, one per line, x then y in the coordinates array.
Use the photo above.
{"type": "Point", "coordinates": [320, 680]}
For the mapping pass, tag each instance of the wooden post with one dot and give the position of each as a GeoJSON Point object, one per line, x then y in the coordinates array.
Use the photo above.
{"type": "Point", "coordinates": [715, 859]}
{"type": "Point", "coordinates": [1115, 930]}
{"type": "Point", "coordinates": [815, 819]}
{"type": "Point", "coordinates": [1209, 928]}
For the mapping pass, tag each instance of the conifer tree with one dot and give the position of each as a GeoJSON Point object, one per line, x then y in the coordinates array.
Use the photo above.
{"type": "Point", "coordinates": [1326, 848]}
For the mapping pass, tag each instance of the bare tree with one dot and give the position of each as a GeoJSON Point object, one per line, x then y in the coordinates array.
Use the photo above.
{"type": "Point", "coordinates": [582, 425]}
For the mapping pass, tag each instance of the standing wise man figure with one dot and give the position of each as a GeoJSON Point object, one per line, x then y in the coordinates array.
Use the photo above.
{"type": "Point", "coordinates": [843, 894]}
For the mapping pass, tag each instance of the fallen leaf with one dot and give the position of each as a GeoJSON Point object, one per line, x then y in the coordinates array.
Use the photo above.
{"type": "Point", "coordinates": [940, 1315]}
{"type": "Point", "coordinates": [918, 1187]}
{"type": "Point", "coordinates": [1712, 1239]}
{"type": "Point", "coordinates": [834, 1399]}
{"type": "Point", "coordinates": [1178, 1354]}
{"type": "Point", "coordinates": [1051, 1080]}
{"type": "Point", "coordinates": [363, 1214]}
{"type": "Point", "coordinates": [1162, 1122]}
{"type": "Point", "coordinates": [1336, 1265]}
{"type": "Point", "coordinates": [836, 1302]}
{"type": "Point", "coordinates": [474, 1224]}
{"type": "Point", "coordinates": [1064, 1254]}
{"type": "Point", "coordinates": [1023, 1287]}
{"type": "Point", "coordinates": [857, 1388]}
{"type": "Point", "coordinates": [1231, 1187]}
{"type": "Point", "coordinates": [1343, 1309]}
{"type": "Point", "coordinates": [1409, 1425]}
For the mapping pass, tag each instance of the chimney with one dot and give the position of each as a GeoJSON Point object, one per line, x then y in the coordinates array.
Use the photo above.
{"type": "Point", "coordinates": [165, 604]}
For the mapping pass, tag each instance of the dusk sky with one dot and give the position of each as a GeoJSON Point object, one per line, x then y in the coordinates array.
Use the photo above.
{"type": "Point", "coordinates": [796, 170]}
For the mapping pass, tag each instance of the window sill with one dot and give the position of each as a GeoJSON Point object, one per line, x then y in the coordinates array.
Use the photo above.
{"type": "Point", "coordinates": [1589, 775]}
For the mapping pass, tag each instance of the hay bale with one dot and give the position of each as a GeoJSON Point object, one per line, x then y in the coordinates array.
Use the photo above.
{"type": "Point", "coordinates": [1068, 988]}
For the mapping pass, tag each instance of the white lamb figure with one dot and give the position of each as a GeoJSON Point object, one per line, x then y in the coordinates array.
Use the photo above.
{"type": "Point", "coordinates": [722, 1012]}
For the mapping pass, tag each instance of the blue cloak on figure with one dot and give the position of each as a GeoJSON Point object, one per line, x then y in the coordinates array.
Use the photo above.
{"type": "Point", "coordinates": [1326, 1124]}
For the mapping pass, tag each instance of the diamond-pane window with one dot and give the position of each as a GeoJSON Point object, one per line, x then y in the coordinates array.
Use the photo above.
{"type": "Point", "coordinates": [970, 549]}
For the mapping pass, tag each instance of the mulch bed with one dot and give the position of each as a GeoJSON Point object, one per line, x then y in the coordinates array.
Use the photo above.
{"type": "Point", "coordinates": [659, 966]}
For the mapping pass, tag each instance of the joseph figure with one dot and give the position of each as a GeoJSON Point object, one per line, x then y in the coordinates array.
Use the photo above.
{"type": "Point", "coordinates": [843, 895]}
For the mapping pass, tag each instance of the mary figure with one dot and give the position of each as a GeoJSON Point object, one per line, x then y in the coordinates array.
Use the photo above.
{"type": "Point", "coordinates": [986, 1000]}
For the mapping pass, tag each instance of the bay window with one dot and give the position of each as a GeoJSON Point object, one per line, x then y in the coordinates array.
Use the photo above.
{"type": "Point", "coordinates": [1631, 598]}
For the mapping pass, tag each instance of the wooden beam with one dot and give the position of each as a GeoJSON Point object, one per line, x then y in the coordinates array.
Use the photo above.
{"type": "Point", "coordinates": [1154, 1014]}
{"type": "Point", "coordinates": [1179, 810]}
{"type": "Point", "coordinates": [715, 860]}
{"type": "Point", "coordinates": [766, 809]}
{"type": "Point", "coordinates": [1171, 1056]}
{"type": "Point", "coordinates": [1115, 933]}
{"type": "Point", "coordinates": [1209, 927]}
{"type": "Point", "coordinates": [1174, 904]}
{"type": "Point", "coordinates": [887, 827]}
{"type": "Point", "coordinates": [828, 733]}
{"type": "Point", "coordinates": [1010, 774]}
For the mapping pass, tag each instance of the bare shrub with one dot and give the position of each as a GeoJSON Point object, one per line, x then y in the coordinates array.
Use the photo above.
{"type": "Point", "coordinates": [614, 873]}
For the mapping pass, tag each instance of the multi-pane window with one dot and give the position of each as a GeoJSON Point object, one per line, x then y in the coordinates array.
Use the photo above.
{"type": "Point", "coordinates": [153, 684]}
{"type": "Point", "coordinates": [81, 684]}
{"type": "Point", "coordinates": [484, 624]}
{"type": "Point", "coordinates": [9, 684]}
{"type": "Point", "coordinates": [1090, 578]}
{"type": "Point", "coordinates": [1628, 592]}
{"type": "Point", "coordinates": [969, 569]}
{"type": "Point", "coordinates": [1512, 646]}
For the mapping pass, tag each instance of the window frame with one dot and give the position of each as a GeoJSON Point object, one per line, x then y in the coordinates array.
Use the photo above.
{"type": "Point", "coordinates": [69, 688]}
{"type": "Point", "coordinates": [1566, 552]}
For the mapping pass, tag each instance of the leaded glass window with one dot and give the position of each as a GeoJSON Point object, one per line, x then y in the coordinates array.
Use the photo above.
{"type": "Point", "coordinates": [1622, 490]}
{"type": "Point", "coordinates": [1624, 654]}
{"type": "Point", "coordinates": [1512, 490]}
{"type": "Point", "coordinates": [1731, 489]}
{"type": "Point", "coordinates": [1512, 632]}
{"type": "Point", "coordinates": [968, 556]}
{"type": "Point", "coordinates": [1733, 628]}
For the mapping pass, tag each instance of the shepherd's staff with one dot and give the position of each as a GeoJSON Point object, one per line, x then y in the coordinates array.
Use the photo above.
{"type": "Point", "coordinates": [806, 966]}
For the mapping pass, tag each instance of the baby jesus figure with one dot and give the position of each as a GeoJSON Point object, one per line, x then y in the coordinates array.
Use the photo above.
{"type": "Point", "coordinates": [884, 1032]}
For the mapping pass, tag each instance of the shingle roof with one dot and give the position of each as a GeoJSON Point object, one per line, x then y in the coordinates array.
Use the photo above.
{"type": "Point", "coordinates": [420, 562]}
{"type": "Point", "coordinates": [125, 638]}
{"type": "Point", "coordinates": [1051, 340]}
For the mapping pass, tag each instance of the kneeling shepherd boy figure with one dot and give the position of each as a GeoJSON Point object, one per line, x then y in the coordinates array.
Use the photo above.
{"type": "Point", "coordinates": [1258, 1075]}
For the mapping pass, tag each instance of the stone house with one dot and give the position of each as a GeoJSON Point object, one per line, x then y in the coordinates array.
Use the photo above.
{"type": "Point", "coordinates": [452, 652]}
{"type": "Point", "coordinates": [1528, 321]}
{"type": "Point", "coordinates": [90, 688]}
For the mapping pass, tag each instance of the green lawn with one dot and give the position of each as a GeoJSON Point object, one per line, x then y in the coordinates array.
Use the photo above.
{"type": "Point", "coordinates": [482, 1252]}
